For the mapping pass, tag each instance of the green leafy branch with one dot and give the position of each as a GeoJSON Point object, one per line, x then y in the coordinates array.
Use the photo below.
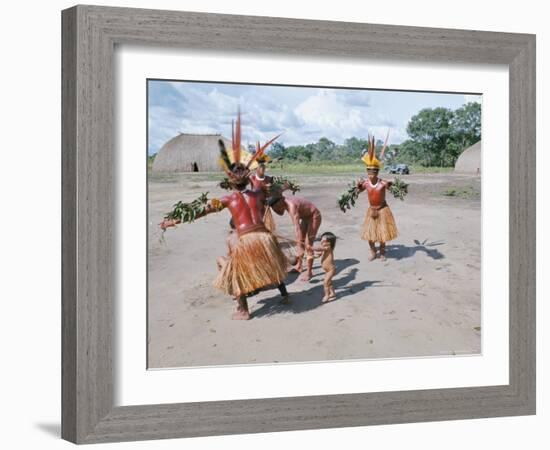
{"type": "Point", "coordinates": [347, 199]}
{"type": "Point", "coordinates": [399, 188]}
{"type": "Point", "coordinates": [188, 212]}
{"type": "Point", "coordinates": [283, 182]}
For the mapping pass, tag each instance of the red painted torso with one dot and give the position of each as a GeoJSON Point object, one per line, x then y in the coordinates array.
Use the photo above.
{"type": "Point", "coordinates": [263, 185]}
{"type": "Point", "coordinates": [376, 192]}
{"type": "Point", "coordinates": [246, 209]}
{"type": "Point", "coordinates": [258, 184]}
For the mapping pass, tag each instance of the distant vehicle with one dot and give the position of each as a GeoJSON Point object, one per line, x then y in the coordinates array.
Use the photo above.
{"type": "Point", "coordinates": [400, 169]}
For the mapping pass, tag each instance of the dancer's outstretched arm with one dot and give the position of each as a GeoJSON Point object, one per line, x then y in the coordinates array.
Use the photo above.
{"type": "Point", "coordinates": [189, 212]}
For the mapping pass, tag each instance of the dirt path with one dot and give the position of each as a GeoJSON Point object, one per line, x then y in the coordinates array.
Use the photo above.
{"type": "Point", "coordinates": [423, 301]}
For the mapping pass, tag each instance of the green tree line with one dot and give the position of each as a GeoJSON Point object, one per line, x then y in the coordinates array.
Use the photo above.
{"type": "Point", "coordinates": [436, 137]}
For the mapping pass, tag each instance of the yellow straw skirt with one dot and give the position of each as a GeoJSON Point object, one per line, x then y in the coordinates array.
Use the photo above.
{"type": "Point", "coordinates": [256, 261]}
{"type": "Point", "coordinates": [269, 221]}
{"type": "Point", "coordinates": [379, 225]}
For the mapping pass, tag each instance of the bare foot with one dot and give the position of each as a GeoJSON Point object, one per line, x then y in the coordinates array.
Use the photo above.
{"type": "Point", "coordinates": [306, 276]}
{"type": "Point", "coordinates": [332, 297]}
{"type": "Point", "coordinates": [372, 255]}
{"type": "Point", "coordinates": [241, 315]}
{"type": "Point", "coordinates": [382, 257]}
{"type": "Point", "coordinates": [325, 299]}
{"type": "Point", "coordinates": [285, 300]}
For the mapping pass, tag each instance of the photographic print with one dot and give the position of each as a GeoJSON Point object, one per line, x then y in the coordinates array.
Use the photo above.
{"type": "Point", "coordinates": [292, 224]}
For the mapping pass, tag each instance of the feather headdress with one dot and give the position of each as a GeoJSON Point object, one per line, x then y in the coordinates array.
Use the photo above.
{"type": "Point", "coordinates": [369, 156]}
{"type": "Point", "coordinates": [238, 162]}
{"type": "Point", "coordinates": [259, 155]}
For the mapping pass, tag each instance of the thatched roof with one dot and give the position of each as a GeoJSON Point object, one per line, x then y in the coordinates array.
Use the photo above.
{"type": "Point", "coordinates": [469, 160]}
{"type": "Point", "coordinates": [182, 151]}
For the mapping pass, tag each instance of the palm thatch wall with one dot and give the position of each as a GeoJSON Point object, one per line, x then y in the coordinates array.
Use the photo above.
{"type": "Point", "coordinates": [469, 160]}
{"type": "Point", "coordinates": [181, 152]}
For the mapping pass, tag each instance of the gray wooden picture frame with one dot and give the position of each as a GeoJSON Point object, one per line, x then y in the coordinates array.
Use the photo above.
{"type": "Point", "coordinates": [90, 34]}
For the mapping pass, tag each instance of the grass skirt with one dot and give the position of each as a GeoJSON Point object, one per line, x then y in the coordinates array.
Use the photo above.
{"type": "Point", "coordinates": [269, 221]}
{"type": "Point", "coordinates": [256, 261]}
{"type": "Point", "coordinates": [379, 225]}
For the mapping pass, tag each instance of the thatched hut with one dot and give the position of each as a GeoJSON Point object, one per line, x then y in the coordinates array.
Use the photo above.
{"type": "Point", "coordinates": [469, 160]}
{"type": "Point", "coordinates": [190, 153]}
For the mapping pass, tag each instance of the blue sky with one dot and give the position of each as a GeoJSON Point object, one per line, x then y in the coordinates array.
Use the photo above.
{"type": "Point", "coordinates": [304, 114]}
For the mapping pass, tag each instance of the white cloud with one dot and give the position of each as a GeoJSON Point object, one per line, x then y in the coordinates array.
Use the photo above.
{"type": "Point", "coordinates": [339, 115]}
{"type": "Point", "coordinates": [211, 110]}
{"type": "Point", "coordinates": [304, 115]}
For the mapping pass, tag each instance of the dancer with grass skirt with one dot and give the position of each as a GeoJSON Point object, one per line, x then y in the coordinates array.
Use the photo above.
{"type": "Point", "coordinates": [379, 225]}
{"type": "Point", "coordinates": [256, 259]}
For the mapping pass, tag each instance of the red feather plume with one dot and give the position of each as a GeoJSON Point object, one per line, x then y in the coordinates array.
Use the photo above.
{"type": "Point", "coordinates": [236, 139]}
{"type": "Point", "coordinates": [261, 150]}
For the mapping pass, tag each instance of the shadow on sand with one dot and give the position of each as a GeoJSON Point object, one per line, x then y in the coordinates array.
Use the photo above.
{"type": "Point", "coordinates": [311, 298]}
{"type": "Point", "coordinates": [400, 251]}
{"type": "Point", "coordinates": [341, 264]}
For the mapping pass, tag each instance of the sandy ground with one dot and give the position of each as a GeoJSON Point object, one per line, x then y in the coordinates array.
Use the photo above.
{"type": "Point", "coordinates": [423, 301]}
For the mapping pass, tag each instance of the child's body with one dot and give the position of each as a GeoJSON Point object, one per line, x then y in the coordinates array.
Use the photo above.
{"type": "Point", "coordinates": [326, 252]}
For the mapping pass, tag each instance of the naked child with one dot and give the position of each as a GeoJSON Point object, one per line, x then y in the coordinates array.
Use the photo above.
{"type": "Point", "coordinates": [326, 252]}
